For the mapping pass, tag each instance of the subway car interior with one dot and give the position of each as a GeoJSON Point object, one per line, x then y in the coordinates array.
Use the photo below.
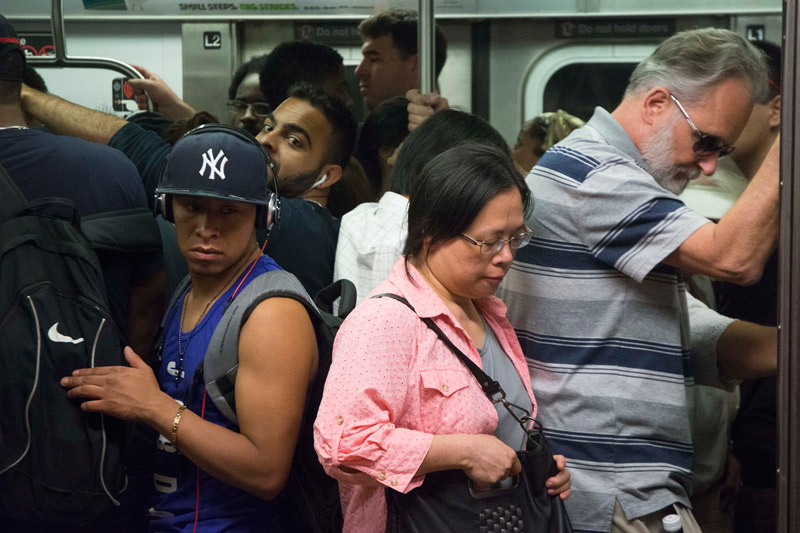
{"type": "Point", "coordinates": [507, 62]}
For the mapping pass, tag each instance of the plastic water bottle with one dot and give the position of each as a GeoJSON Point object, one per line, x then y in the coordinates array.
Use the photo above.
{"type": "Point", "coordinates": [671, 523]}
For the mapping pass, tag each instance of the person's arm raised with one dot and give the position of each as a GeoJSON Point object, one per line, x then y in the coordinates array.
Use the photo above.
{"type": "Point", "coordinates": [164, 99]}
{"type": "Point", "coordinates": [736, 248]}
{"type": "Point", "coordinates": [65, 118]}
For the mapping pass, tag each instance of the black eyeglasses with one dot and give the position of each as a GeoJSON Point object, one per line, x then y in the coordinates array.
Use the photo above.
{"type": "Point", "coordinates": [494, 246]}
{"type": "Point", "coordinates": [706, 144]}
{"type": "Point", "coordinates": [260, 109]}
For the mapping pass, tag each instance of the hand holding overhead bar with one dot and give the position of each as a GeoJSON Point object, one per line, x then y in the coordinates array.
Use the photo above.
{"type": "Point", "coordinates": [421, 106]}
{"type": "Point", "coordinates": [154, 90]}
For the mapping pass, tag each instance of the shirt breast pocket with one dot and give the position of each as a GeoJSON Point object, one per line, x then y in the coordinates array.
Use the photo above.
{"type": "Point", "coordinates": [449, 403]}
{"type": "Point", "coordinates": [444, 382]}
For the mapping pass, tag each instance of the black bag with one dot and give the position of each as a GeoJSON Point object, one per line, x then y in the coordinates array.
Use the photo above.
{"type": "Point", "coordinates": [58, 464]}
{"type": "Point", "coordinates": [313, 494]}
{"type": "Point", "coordinates": [448, 501]}
{"type": "Point", "coordinates": [310, 489]}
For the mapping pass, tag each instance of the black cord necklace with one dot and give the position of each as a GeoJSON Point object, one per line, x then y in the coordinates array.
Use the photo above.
{"type": "Point", "coordinates": [182, 347]}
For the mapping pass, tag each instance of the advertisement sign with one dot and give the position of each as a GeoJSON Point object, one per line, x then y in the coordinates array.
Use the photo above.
{"type": "Point", "coordinates": [238, 9]}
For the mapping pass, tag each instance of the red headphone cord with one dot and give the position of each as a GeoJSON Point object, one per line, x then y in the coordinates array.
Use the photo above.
{"type": "Point", "coordinates": [197, 468]}
{"type": "Point", "coordinates": [246, 275]}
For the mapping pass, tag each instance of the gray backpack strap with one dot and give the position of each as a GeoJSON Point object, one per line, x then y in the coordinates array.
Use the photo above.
{"type": "Point", "coordinates": [221, 362]}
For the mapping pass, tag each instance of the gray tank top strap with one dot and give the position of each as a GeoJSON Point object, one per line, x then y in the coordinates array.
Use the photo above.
{"type": "Point", "coordinates": [499, 365]}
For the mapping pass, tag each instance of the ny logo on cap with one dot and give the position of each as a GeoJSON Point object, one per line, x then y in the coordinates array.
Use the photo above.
{"type": "Point", "coordinates": [211, 161]}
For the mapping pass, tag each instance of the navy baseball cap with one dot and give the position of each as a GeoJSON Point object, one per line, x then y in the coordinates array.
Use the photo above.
{"type": "Point", "coordinates": [9, 42]}
{"type": "Point", "coordinates": [217, 161]}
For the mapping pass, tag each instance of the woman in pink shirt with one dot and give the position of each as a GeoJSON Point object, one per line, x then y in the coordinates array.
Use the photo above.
{"type": "Point", "coordinates": [398, 403]}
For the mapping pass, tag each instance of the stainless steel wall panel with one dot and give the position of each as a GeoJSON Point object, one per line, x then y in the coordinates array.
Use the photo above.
{"type": "Point", "coordinates": [208, 65]}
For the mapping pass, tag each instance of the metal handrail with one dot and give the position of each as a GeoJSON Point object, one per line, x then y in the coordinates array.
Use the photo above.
{"type": "Point", "coordinates": [426, 46]}
{"type": "Point", "coordinates": [61, 58]}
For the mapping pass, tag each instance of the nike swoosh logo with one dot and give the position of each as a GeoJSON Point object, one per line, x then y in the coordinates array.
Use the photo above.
{"type": "Point", "coordinates": [55, 336]}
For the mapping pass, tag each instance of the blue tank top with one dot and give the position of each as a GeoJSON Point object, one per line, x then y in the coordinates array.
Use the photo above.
{"type": "Point", "coordinates": [222, 507]}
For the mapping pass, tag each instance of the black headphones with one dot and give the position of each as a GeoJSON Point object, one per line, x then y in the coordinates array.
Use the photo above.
{"type": "Point", "coordinates": [267, 216]}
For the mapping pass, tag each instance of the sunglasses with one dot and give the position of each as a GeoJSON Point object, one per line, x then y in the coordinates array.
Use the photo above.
{"type": "Point", "coordinates": [706, 144]}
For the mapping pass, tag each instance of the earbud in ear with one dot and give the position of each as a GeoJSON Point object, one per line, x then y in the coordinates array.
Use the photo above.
{"type": "Point", "coordinates": [319, 182]}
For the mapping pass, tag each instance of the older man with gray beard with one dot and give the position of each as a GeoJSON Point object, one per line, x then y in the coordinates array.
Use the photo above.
{"type": "Point", "coordinates": [598, 299]}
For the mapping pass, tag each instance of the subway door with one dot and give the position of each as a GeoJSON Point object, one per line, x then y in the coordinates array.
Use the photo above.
{"type": "Point", "coordinates": [209, 50]}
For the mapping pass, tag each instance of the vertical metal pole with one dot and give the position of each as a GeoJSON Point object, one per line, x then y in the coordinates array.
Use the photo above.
{"type": "Point", "coordinates": [57, 24]}
{"type": "Point", "coordinates": [236, 59]}
{"type": "Point", "coordinates": [426, 46]}
{"type": "Point", "coordinates": [789, 283]}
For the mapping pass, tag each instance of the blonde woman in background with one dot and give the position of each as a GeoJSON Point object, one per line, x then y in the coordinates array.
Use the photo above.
{"type": "Point", "coordinates": [540, 133]}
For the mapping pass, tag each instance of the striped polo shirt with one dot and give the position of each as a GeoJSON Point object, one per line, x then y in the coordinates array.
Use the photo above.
{"type": "Point", "coordinates": [604, 324]}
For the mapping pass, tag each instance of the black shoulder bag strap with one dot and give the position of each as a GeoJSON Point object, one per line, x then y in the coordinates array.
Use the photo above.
{"type": "Point", "coordinates": [490, 387]}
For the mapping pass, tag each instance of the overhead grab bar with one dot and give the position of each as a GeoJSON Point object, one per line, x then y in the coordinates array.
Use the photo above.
{"type": "Point", "coordinates": [61, 58]}
{"type": "Point", "coordinates": [426, 46]}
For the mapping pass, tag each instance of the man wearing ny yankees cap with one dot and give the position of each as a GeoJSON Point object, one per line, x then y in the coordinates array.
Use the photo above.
{"type": "Point", "coordinates": [210, 472]}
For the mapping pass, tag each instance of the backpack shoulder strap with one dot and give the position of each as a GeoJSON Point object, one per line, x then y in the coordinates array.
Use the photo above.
{"type": "Point", "coordinates": [13, 200]}
{"type": "Point", "coordinates": [344, 290]}
{"type": "Point", "coordinates": [131, 230]}
{"type": "Point", "coordinates": [127, 230]}
{"type": "Point", "coordinates": [221, 362]}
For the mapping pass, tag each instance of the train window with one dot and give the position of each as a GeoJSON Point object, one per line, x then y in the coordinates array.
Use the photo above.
{"type": "Point", "coordinates": [580, 76]}
{"type": "Point", "coordinates": [579, 87]}
{"type": "Point", "coordinates": [90, 87]}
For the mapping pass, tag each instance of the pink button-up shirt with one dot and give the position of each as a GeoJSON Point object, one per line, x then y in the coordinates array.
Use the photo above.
{"type": "Point", "coordinates": [393, 385]}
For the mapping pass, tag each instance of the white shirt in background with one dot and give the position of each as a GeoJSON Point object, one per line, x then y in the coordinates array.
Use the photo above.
{"type": "Point", "coordinates": [371, 238]}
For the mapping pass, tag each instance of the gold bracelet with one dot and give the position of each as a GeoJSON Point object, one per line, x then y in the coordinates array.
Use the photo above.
{"type": "Point", "coordinates": [175, 422]}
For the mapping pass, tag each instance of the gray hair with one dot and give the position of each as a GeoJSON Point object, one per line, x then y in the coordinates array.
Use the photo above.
{"type": "Point", "coordinates": [691, 63]}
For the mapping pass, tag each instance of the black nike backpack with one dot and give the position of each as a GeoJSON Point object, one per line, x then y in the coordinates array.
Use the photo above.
{"type": "Point", "coordinates": [59, 465]}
